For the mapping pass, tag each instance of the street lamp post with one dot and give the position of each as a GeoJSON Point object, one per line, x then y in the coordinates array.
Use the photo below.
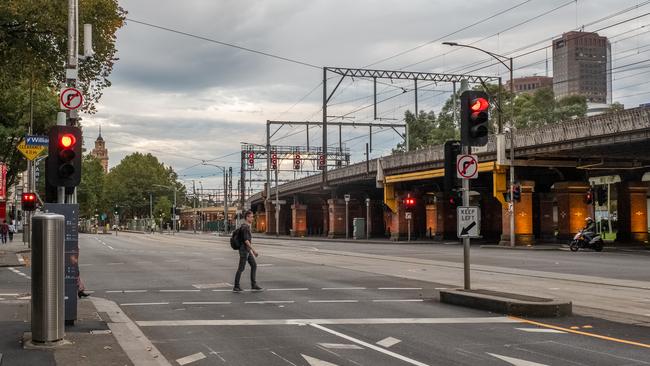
{"type": "Point", "coordinates": [510, 68]}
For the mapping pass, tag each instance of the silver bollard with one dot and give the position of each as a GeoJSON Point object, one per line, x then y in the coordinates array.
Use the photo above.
{"type": "Point", "coordinates": [48, 238]}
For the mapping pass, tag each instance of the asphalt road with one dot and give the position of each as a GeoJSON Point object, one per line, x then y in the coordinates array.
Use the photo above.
{"type": "Point", "coordinates": [323, 310]}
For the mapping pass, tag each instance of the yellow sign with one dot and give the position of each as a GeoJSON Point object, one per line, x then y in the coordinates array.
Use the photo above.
{"type": "Point", "coordinates": [31, 152]}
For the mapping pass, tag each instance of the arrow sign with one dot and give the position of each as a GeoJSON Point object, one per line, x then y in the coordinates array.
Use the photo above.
{"type": "Point", "coordinates": [466, 230]}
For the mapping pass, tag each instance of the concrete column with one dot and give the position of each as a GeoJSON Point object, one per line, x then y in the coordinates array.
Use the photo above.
{"type": "Point", "coordinates": [547, 225]}
{"type": "Point", "coordinates": [431, 220]}
{"type": "Point", "coordinates": [298, 220]}
{"type": "Point", "coordinates": [491, 218]}
{"type": "Point", "coordinates": [326, 220]}
{"type": "Point", "coordinates": [523, 211]}
{"type": "Point", "coordinates": [260, 222]}
{"type": "Point", "coordinates": [269, 213]}
{"type": "Point", "coordinates": [398, 223]}
{"type": "Point", "coordinates": [632, 212]}
{"type": "Point", "coordinates": [336, 213]}
{"type": "Point", "coordinates": [572, 208]}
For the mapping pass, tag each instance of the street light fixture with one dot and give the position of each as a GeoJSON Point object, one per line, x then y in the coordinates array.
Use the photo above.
{"type": "Point", "coordinates": [511, 131]}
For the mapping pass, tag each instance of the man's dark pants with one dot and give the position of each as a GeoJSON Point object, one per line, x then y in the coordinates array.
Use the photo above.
{"type": "Point", "coordinates": [243, 258]}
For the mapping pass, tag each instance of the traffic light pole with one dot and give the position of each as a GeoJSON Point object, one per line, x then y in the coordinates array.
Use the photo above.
{"type": "Point", "coordinates": [512, 186]}
{"type": "Point", "coordinates": [466, 241]}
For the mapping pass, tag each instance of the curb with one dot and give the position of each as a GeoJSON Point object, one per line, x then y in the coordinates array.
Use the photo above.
{"type": "Point", "coordinates": [509, 304]}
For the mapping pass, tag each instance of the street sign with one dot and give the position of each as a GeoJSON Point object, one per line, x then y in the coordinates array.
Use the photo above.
{"type": "Point", "coordinates": [469, 221]}
{"type": "Point", "coordinates": [31, 152]}
{"type": "Point", "coordinates": [407, 215]}
{"type": "Point", "coordinates": [37, 140]}
{"type": "Point", "coordinates": [346, 198]}
{"type": "Point", "coordinates": [467, 166]}
{"type": "Point", "coordinates": [280, 202]}
{"type": "Point", "coordinates": [71, 98]}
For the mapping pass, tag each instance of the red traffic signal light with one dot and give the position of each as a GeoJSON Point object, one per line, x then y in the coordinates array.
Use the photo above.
{"type": "Point", "coordinates": [321, 161]}
{"type": "Point", "coordinates": [28, 201]}
{"type": "Point", "coordinates": [274, 160]}
{"type": "Point", "coordinates": [251, 159]}
{"type": "Point", "coordinates": [409, 201]}
{"type": "Point", "coordinates": [63, 167]}
{"type": "Point", "coordinates": [296, 162]}
{"type": "Point", "coordinates": [67, 140]}
{"type": "Point", "coordinates": [474, 112]}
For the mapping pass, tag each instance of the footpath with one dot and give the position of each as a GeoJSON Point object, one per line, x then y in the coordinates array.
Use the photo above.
{"type": "Point", "coordinates": [89, 341]}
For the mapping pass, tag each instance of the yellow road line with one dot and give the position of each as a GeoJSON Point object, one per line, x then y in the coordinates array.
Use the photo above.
{"type": "Point", "coordinates": [618, 340]}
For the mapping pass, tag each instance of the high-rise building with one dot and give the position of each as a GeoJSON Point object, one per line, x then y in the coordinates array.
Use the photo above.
{"type": "Point", "coordinates": [581, 64]}
{"type": "Point", "coordinates": [100, 151]}
{"type": "Point", "coordinates": [528, 84]}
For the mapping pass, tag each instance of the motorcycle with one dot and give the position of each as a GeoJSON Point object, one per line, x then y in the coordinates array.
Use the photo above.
{"type": "Point", "coordinates": [580, 241]}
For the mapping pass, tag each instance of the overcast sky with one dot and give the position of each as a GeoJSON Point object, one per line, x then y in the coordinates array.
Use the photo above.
{"type": "Point", "coordinates": [185, 99]}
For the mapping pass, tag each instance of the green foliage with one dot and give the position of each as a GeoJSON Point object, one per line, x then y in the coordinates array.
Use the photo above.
{"type": "Point", "coordinates": [163, 208]}
{"type": "Point", "coordinates": [616, 107]}
{"type": "Point", "coordinates": [129, 183]}
{"type": "Point", "coordinates": [33, 47]}
{"type": "Point", "coordinates": [90, 191]}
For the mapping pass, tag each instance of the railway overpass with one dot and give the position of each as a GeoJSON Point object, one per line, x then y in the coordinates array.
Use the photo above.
{"type": "Point", "coordinates": [554, 166]}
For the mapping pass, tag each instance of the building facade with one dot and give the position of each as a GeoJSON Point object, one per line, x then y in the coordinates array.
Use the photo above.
{"type": "Point", "coordinates": [100, 152]}
{"type": "Point", "coordinates": [528, 84]}
{"type": "Point", "coordinates": [581, 64]}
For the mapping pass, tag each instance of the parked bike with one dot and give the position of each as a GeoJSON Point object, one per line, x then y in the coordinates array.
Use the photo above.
{"type": "Point", "coordinates": [581, 241]}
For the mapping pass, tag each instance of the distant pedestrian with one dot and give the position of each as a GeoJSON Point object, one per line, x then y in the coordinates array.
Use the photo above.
{"type": "Point", "coordinates": [4, 231]}
{"type": "Point", "coordinates": [246, 253]}
{"type": "Point", "coordinates": [12, 230]}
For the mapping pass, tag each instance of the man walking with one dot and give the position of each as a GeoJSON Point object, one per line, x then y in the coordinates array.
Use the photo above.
{"type": "Point", "coordinates": [246, 253]}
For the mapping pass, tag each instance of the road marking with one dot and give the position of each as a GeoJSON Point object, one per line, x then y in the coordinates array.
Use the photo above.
{"type": "Point", "coordinates": [400, 288]}
{"type": "Point", "coordinates": [124, 291]}
{"type": "Point", "coordinates": [227, 290]}
{"type": "Point", "coordinates": [554, 288]}
{"type": "Point", "coordinates": [172, 260]}
{"type": "Point", "coordinates": [191, 358]}
{"type": "Point", "coordinates": [207, 303]}
{"type": "Point", "coordinates": [211, 285]}
{"type": "Point", "coordinates": [9, 294]}
{"type": "Point", "coordinates": [114, 263]}
{"type": "Point", "coordinates": [398, 300]}
{"type": "Point", "coordinates": [440, 288]}
{"type": "Point", "coordinates": [265, 265]}
{"type": "Point", "coordinates": [180, 290]}
{"type": "Point", "coordinates": [541, 330]}
{"type": "Point", "coordinates": [388, 342]}
{"type": "Point", "coordinates": [339, 346]}
{"type": "Point", "coordinates": [331, 301]}
{"type": "Point", "coordinates": [343, 288]}
{"type": "Point", "coordinates": [358, 321]}
{"type": "Point", "coordinates": [280, 357]}
{"type": "Point", "coordinates": [288, 289]}
{"type": "Point", "coordinates": [516, 361]}
{"type": "Point", "coordinates": [270, 302]}
{"type": "Point", "coordinates": [618, 340]}
{"type": "Point", "coordinates": [144, 303]}
{"type": "Point", "coordinates": [315, 361]}
{"type": "Point", "coordinates": [371, 346]}
{"type": "Point", "coordinates": [135, 344]}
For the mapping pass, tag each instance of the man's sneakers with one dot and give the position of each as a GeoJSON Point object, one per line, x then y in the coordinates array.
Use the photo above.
{"type": "Point", "coordinates": [237, 289]}
{"type": "Point", "coordinates": [256, 288]}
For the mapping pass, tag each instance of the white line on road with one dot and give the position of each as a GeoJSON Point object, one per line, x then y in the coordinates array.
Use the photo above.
{"type": "Point", "coordinates": [339, 346]}
{"type": "Point", "coordinates": [265, 265]}
{"type": "Point", "coordinates": [9, 294]}
{"type": "Point", "coordinates": [371, 346]}
{"type": "Point", "coordinates": [270, 302]}
{"type": "Point", "coordinates": [207, 303]}
{"type": "Point", "coordinates": [114, 263]}
{"type": "Point", "coordinates": [400, 288]}
{"type": "Point", "coordinates": [357, 321]}
{"type": "Point", "coordinates": [313, 361]}
{"type": "Point", "coordinates": [191, 358]}
{"type": "Point", "coordinates": [288, 289]}
{"type": "Point", "coordinates": [516, 361]}
{"type": "Point", "coordinates": [343, 288]}
{"type": "Point", "coordinates": [180, 290]}
{"type": "Point", "coordinates": [398, 300]}
{"type": "Point", "coordinates": [440, 288]}
{"type": "Point", "coordinates": [124, 291]}
{"type": "Point", "coordinates": [144, 303]}
{"type": "Point", "coordinates": [388, 342]}
{"type": "Point", "coordinates": [541, 330]}
{"type": "Point", "coordinates": [331, 301]}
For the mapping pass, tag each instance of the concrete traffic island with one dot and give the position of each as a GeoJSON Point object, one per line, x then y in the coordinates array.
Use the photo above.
{"type": "Point", "coordinates": [506, 303]}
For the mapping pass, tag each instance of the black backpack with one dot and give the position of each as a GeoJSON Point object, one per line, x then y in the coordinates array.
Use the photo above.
{"type": "Point", "coordinates": [235, 243]}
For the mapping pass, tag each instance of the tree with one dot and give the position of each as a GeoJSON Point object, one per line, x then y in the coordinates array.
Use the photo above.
{"type": "Point", "coordinates": [616, 107]}
{"type": "Point", "coordinates": [91, 190]}
{"type": "Point", "coordinates": [33, 47]}
{"type": "Point", "coordinates": [163, 208]}
{"type": "Point", "coordinates": [129, 183]}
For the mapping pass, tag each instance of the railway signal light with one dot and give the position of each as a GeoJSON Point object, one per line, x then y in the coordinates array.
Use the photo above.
{"type": "Point", "coordinates": [321, 162]}
{"type": "Point", "coordinates": [409, 201]}
{"type": "Point", "coordinates": [251, 159]}
{"type": "Point", "coordinates": [28, 201]}
{"type": "Point", "coordinates": [296, 162]}
{"type": "Point", "coordinates": [64, 159]}
{"type": "Point", "coordinates": [474, 116]}
{"type": "Point", "coordinates": [274, 160]}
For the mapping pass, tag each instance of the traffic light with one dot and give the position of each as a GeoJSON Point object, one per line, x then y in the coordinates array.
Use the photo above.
{"type": "Point", "coordinates": [63, 167]}
{"type": "Point", "coordinates": [456, 198]}
{"type": "Point", "coordinates": [28, 201]}
{"type": "Point", "coordinates": [601, 196]}
{"type": "Point", "coordinates": [452, 149]}
{"type": "Point", "coordinates": [296, 162]}
{"type": "Point", "coordinates": [321, 162]}
{"type": "Point", "coordinates": [251, 159]}
{"type": "Point", "coordinates": [516, 192]}
{"type": "Point", "coordinates": [474, 116]}
{"type": "Point", "coordinates": [274, 160]}
{"type": "Point", "coordinates": [589, 196]}
{"type": "Point", "coordinates": [409, 202]}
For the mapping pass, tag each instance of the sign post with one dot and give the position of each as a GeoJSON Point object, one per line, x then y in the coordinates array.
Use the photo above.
{"type": "Point", "coordinates": [347, 229]}
{"type": "Point", "coordinates": [408, 216]}
{"type": "Point", "coordinates": [466, 169]}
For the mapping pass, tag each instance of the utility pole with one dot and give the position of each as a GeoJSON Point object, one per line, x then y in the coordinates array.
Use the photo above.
{"type": "Point", "coordinates": [194, 205]}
